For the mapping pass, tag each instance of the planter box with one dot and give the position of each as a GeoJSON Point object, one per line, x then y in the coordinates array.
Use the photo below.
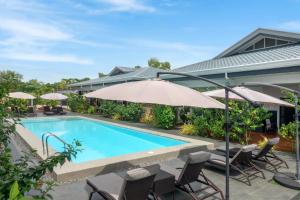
{"type": "Point", "coordinates": [287, 145]}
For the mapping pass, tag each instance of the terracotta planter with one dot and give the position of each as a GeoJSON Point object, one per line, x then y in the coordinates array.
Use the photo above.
{"type": "Point", "coordinates": [255, 138]}
{"type": "Point", "coordinates": [287, 145]}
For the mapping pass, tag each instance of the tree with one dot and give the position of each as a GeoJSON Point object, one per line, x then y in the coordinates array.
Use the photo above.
{"type": "Point", "coordinates": [31, 86]}
{"type": "Point", "coordinates": [245, 118]}
{"type": "Point", "coordinates": [137, 67]}
{"type": "Point", "coordinates": [155, 63]}
{"type": "Point", "coordinates": [165, 65]}
{"type": "Point", "coordinates": [10, 80]}
{"type": "Point", "coordinates": [101, 74]}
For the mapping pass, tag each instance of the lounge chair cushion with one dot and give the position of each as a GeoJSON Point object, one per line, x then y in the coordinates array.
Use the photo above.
{"type": "Point", "coordinates": [249, 148]}
{"type": "Point", "coordinates": [110, 183]}
{"type": "Point", "coordinates": [217, 159]}
{"type": "Point", "coordinates": [171, 170]}
{"type": "Point", "coordinates": [136, 174]}
{"type": "Point", "coordinates": [198, 157]}
{"type": "Point", "coordinates": [274, 141]}
{"type": "Point", "coordinates": [256, 152]}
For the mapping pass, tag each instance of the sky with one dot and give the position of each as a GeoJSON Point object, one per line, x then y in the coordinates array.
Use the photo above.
{"type": "Point", "coordinates": [51, 40]}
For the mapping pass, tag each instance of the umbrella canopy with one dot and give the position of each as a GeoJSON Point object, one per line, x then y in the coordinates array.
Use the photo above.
{"type": "Point", "coordinates": [20, 95]}
{"type": "Point", "coordinates": [156, 91]}
{"type": "Point", "coordinates": [250, 94]}
{"type": "Point", "coordinates": [54, 96]}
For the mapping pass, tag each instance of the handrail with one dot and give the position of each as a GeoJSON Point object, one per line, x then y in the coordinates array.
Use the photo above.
{"type": "Point", "coordinates": [45, 141]}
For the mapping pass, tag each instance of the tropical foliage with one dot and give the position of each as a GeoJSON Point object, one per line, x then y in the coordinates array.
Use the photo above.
{"type": "Point", "coordinates": [245, 118]}
{"type": "Point", "coordinates": [120, 111]}
{"type": "Point", "coordinates": [288, 131]}
{"type": "Point", "coordinates": [147, 118]}
{"type": "Point", "coordinates": [77, 103]}
{"type": "Point", "coordinates": [210, 122]}
{"type": "Point", "coordinates": [155, 63]}
{"type": "Point", "coordinates": [164, 116]}
{"type": "Point", "coordinates": [188, 129]}
{"type": "Point", "coordinates": [13, 81]}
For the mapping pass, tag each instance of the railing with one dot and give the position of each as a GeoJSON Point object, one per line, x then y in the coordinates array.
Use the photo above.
{"type": "Point", "coordinates": [45, 138]}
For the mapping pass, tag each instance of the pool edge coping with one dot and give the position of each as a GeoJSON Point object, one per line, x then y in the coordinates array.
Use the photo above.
{"type": "Point", "coordinates": [72, 170]}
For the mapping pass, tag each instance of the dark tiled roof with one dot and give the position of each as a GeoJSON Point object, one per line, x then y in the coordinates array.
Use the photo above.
{"type": "Point", "coordinates": [138, 74]}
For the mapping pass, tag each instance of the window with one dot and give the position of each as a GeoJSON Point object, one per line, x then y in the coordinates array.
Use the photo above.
{"type": "Point", "coordinates": [281, 42]}
{"type": "Point", "coordinates": [260, 44]}
{"type": "Point", "coordinates": [270, 42]}
{"type": "Point", "coordinates": [266, 43]}
{"type": "Point", "coordinates": [249, 48]}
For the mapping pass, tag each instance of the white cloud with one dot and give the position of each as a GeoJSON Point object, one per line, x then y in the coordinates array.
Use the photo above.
{"type": "Point", "coordinates": [44, 57]}
{"type": "Point", "coordinates": [291, 25]}
{"type": "Point", "coordinates": [19, 27]}
{"type": "Point", "coordinates": [128, 5]}
{"type": "Point", "coordinates": [31, 41]}
{"type": "Point", "coordinates": [113, 6]}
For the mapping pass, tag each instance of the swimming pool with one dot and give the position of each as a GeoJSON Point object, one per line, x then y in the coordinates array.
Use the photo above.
{"type": "Point", "coordinates": [99, 140]}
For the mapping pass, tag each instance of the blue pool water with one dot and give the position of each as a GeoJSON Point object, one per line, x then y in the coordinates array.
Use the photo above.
{"type": "Point", "coordinates": [99, 140]}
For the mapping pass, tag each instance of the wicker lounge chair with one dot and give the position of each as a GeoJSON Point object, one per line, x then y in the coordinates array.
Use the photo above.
{"type": "Point", "coordinates": [190, 175]}
{"type": "Point", "coordinates": [135, 185]}
{"type": "Point", "coordinates": [31, 112]}
{"type": "Point", "coordinates": [241, 162]}
{"type": "Point", "coordinates": [47, 111]}
{"type": "Point", "coordinates": [59, 110]}
{"type": "Point", "coordinates": [265, 154]}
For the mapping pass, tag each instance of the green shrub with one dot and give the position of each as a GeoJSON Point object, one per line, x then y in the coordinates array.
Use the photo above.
{"type": "Point", "coordinates": [116, 116]}
{"type": "Point", "coordinates": [129, 112]}
{"type": "Point", "coordinates": [164, 116]}
{"type": "Point", "coordinates": [107, 108]}
{"type": "Point", "coordinates": [288, 131]}
{"type": "Point", "coordinates": [77, 103]}
{"type": "Point", "coordinates": [209, 122]}
{"type": "Point", "coordinates": [202, 125]}
{"type": "Point", "coordinates": [147, 118]}
{"type": "Point", "coordinates": [216, 128]}
{"type": "Point", "coordinates": [245, 118]}
{"type": "Point", "coordinates": [91, 110]}
{"type": "Point", "coordinates": [132, 112]}
{"type": "Point", "coordinates": [188, 129]}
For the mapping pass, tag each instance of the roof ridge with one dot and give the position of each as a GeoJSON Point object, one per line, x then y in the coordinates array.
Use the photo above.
{"type": "Point", "coordinates": [253, 34]}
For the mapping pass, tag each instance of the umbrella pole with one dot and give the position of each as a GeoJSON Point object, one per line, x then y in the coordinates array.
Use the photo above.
{"type": "Point", "coordinates": [227, 143]}
{"type": "Point", "coordinates": [227, 90]}
{"type": "Point", "coordinates": [297, 138]}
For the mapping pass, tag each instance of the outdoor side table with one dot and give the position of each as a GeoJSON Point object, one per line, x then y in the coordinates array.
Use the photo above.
{"type": "Point", "coordinates": [164, 182]}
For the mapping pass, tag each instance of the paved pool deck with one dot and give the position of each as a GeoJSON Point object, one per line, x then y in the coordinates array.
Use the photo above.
{"type": "Point", "coordinates": [261, 189]}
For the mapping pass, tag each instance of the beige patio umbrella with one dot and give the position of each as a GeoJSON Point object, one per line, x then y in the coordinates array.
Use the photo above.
{"type": "Point", "coordinates": [21, 95]}
{"type": "Point", "coordinates": [54, 96]}
{"type": "Point", "coordinates": [156, 91]}
{"type": "Point", "coordinates": [250, 94]}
